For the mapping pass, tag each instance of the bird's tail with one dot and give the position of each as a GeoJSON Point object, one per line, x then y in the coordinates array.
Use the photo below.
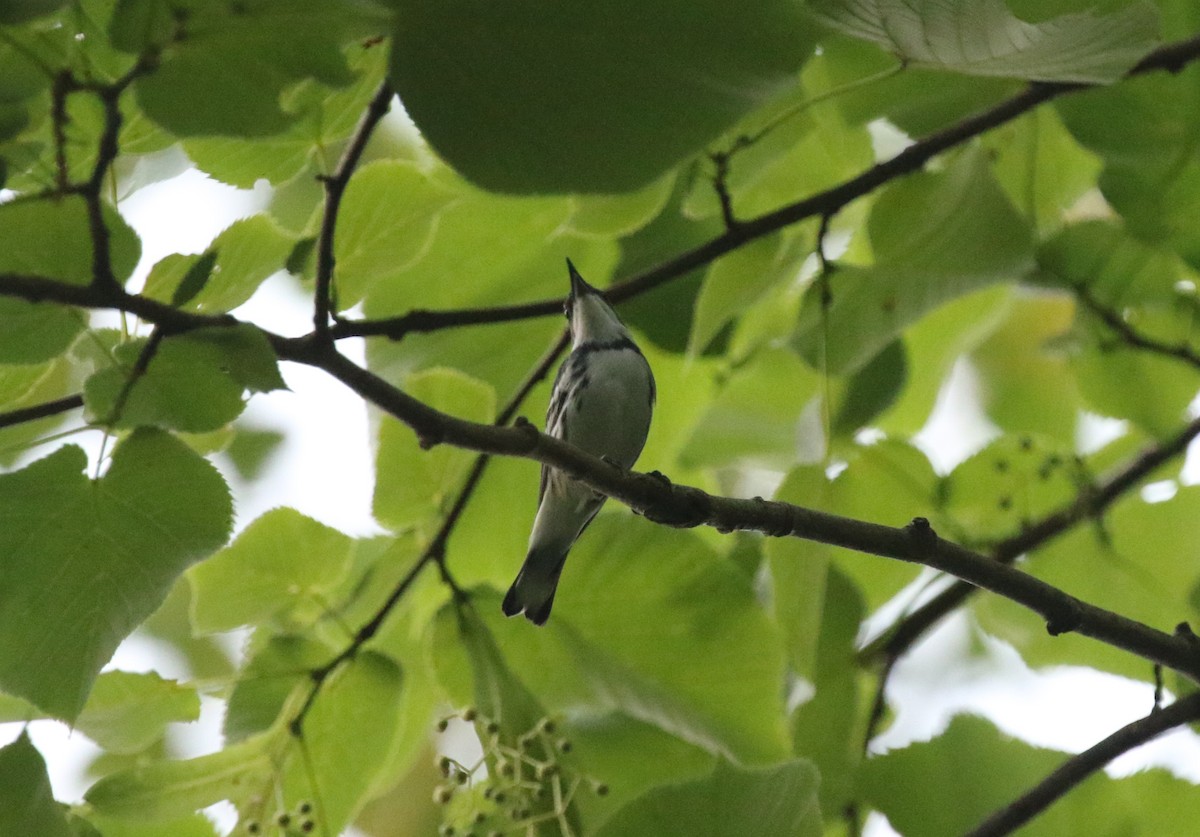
{"type": "Point", "coordinates": [533, 591]}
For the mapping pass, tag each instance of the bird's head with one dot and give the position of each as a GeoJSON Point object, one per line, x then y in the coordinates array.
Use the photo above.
{"type": "Point", "coordinates": [591, 318]}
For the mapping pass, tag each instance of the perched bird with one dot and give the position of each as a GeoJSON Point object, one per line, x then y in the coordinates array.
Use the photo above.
{"type": "Point", "coordinates": [601, 402]}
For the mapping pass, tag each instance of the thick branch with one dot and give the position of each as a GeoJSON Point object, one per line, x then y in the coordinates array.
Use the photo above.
{"type": "Point", "coordinates": [335, 187]}
{"type": "Point", "coordinates": [1077, 768]}
{"type": "Point", "coordinates": [684, 506]}
{"type": "Point", "coordinates": [1172, 57]}
{"type": "Point", "coordinates": [41, 411]}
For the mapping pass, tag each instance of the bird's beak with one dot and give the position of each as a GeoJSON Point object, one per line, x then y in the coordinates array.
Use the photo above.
{"type": "Point", "coordinates": [579, 287]}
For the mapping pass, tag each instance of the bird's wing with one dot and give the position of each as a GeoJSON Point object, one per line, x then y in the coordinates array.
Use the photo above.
{"type": "Point", "coordinates": [552, 416]}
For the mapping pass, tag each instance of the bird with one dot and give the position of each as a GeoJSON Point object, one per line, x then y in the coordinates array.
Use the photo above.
{"type": "Point", "coordinates": [601, 401]}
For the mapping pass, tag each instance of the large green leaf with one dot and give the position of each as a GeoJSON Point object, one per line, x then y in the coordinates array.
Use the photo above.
{"type": "Point", "coordinates": [826, 728]}
{"type": "Point", "coordinates": [779, 802]}
{"type": "Point", "coordinates": [52, 239]}
{"type": "Point", "coordinates": [1025, 381]}
{"type": "Point", "coordinates": [1142, 130]}
{"type": "Point", "coordinates": [241, 258]}
{"type": "Point", "coordinates": [323, 118]}
{"type": "Point", "coordinates": [1139, 565]}
{"type": "Point", "coordinates": [126, 712]}
{"type": "Point", "coordinates": [167, 790]}
{"type": "Point", "coordinates": [970, 770]}
{"type": "Point", "coordinates": [757, 416]}
{"type": "Point", "coordinates": [90, 560]}
{"type": "Point", "coordinates": [981, 37]}
{"type": "Point", "coordinates": [411, 484]}
{"type": "Point", "coordinates": [935, 236]}
{"type": "Point", "coordinates": [387, 220]}
{"type": "Point", "coordinates": [347, 738]}
{"type": "Point", "coordinates": [652, 623]}
{"type": "Point", "coordinates": [622, 94]}
{"type": "Point", "coordinates": [195, 382]}
{"type": "Point", "coordinates": [27, 803]}
{"type": "Point", "coordinates": [282, 562]}
{"type": "Point", "coordinates": [200, 86]}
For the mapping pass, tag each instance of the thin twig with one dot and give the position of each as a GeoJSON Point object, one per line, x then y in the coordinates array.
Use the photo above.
{"type": "Point", "coordinates": [335, 188]}
{"type": "Point", "coordinates": [1077, 768]}
{"type": "Point", "coordinates": [1134, 338]}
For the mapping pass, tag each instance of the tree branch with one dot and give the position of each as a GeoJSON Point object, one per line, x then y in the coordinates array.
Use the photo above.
{"type": "Point", "coordinates": [1077, 768]}
{"type": "Point", "coordinates": [41, 411]}
{"type": "Point", "coordinates": [1087, 505]}
{"type": "Point", "coordinates": [335, 188]}
{"type": "Point", "coordinates": [1171, 57]}
{"type": "Point", "coordinates": [1134, 338]}
{"type": "Point", "coordinates": [684, 506]}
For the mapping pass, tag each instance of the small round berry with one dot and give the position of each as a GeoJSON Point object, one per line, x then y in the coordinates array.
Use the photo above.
{"type": "Point", "coordinates": [442, 794]}
{"type": "Point", "coordinates": [601, 789]}
{"type": "Point", "coordinates": [283, 819]}
{"type": "Point", "coordinates": [304, 807]}
{"type": "Point", "coordinates": [252, 827]}
{"type": "Point", "coordinates": [470, 714]}
{"type": "Point", "coordinates": [564, 745]}
{"type": "Point", "coordinates": [443, 725]}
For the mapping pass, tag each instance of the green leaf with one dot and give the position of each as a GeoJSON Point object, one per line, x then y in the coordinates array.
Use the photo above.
{"type": "Point", "coordinates": [348, 735]}
{"type": "Point", "coordinates": [200, 86]}
{"type": "Point", "coordinates": [606, 647]}
{"type": "Point", "coordinates": [167, 790]}
{"type": "Point", "coordinates": [194, 383]}
{"type": "Point", "coordinates": [322, 118]}
{"type": "Point", "coordinates": [127, 712]}
{"type": "Point", "coordinates": [1026, 385]}
{"type": "Point", "coordinates": [194, 279]}
{"type": "Point", "coordinates": [623, 95]}
{"type": "Point", "coordinates": [90, 560]}
{"type": "Point", "coordinates": [1041, 167]}
{"type": "Point", "coordinates": [621, 214]}
{"type": "Point", "coordinates": [933, 346]}
{"type": "Point", "coordinates": [1000, 490]}
{"type": "Point", "coordinates": [36, 331]}
{"type": "Point", "coordinates": [386, 223]}
{"type": "Point", "coordinates": [241, 258]}
{"type": "Point", "coordinates": [1150, 390]}
{"type": "Point", "coordinates": [780, 802]}
{"type": "Point", "coordinates": [826, 728]}
{"type": "Point", "coordinates": [1142, 130]}
{"type": "Point", "coordinates": [1136, 565]}
{"type": "Point", "coordinates": [735, 281]}
{"type": "Point", "coordinates": [870, 390]}
{"type": "Point", "coordinates": [936, 237]}
{"type": "Point", "coordinates": [411, 484]}
{"type": "Point", "coordinates": [757, 416]}
{"type": "Point", "coordinates": [981, 37]}
{"type": "Point", "coordinates": [27, 803]}
{"type": "Point", "coordinates": [889, 482]}
{"type": "Point", "coordinates": [196, 825]}
{"type": "Point", "coordinates": [971, 771]}
{"type": "Point", "coordinates": [273, 673]}
{"type": "Point", "coordinates": [968, 771]}
{"type": "Point", "coordinates": [19, 11]}
{"type": "Point", "coordinates": [282, 562]}
{"type": "Point", "coordinates": [52, 239]}
{"type": "Point", "coordinates": [1115, 268]}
